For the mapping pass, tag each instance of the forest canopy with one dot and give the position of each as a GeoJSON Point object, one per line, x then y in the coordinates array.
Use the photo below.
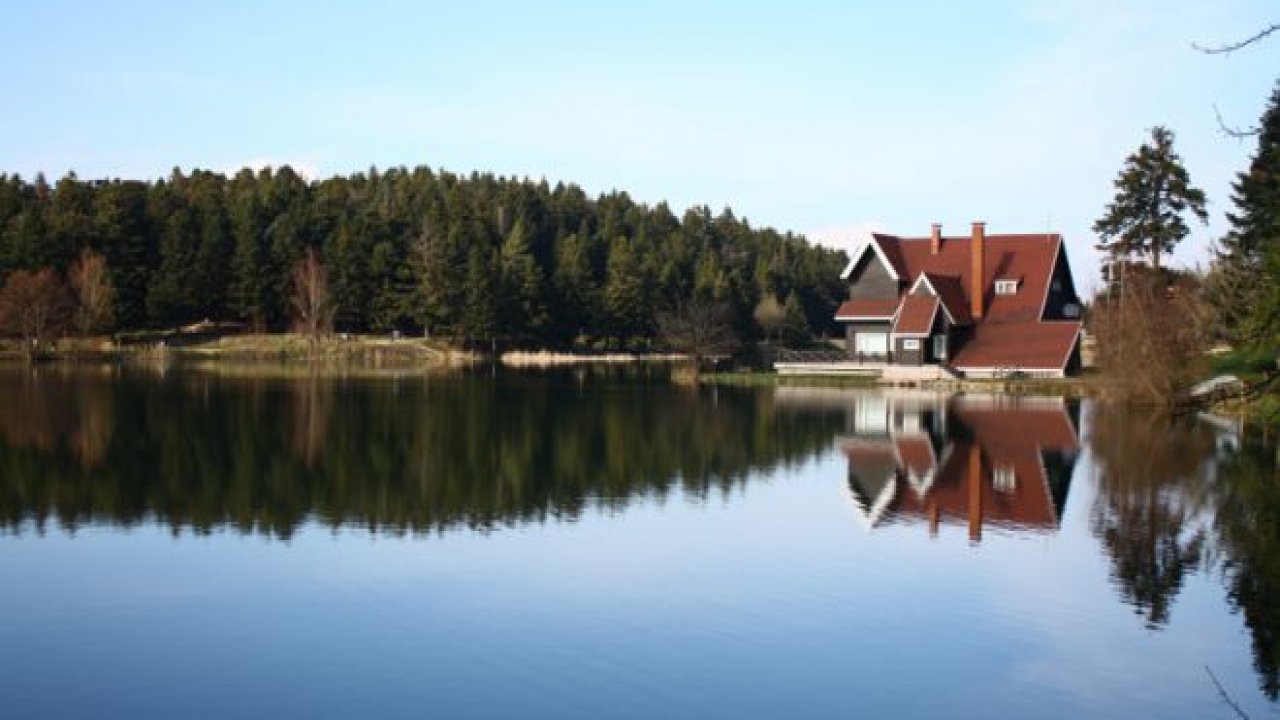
{"type": "Point", "coordinates": [477, 257]}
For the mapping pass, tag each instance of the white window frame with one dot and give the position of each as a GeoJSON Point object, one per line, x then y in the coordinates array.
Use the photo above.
{"type": "Point", "coordinates": [911, 343]}
{"type": "Point", "coordinates": [863, 343]}
{"type": "Point", "coordinates": [1006, 287]}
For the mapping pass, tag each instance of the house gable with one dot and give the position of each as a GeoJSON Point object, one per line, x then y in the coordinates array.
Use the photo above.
{"type": "Point", "coordinates": [1060, 291]}
{"type": "Point", "coordinates": [870, 248]}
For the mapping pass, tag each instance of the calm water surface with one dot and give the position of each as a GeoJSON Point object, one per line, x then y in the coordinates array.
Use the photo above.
{"type": "Point", "coordinates": [599, 545]}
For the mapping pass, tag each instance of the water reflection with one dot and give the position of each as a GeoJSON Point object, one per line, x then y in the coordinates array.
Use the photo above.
{"type": "Point", "coordinates": [1176, 497]}
{"type": "Point", "coordinates": [1159, 500]}
{"type": "Point", "coordinates": [422, 454]}
{"type": "Point", "coordinates": [976, 460]}
{"type": "Point", "coordinates": [1150, 512]}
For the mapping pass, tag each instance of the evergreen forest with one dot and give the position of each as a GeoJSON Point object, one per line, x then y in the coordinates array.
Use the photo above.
{"type": "Point", "coordinates": [476, 258]}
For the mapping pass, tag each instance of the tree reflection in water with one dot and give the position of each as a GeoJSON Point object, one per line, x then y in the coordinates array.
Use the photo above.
{"type": "Point", "coordinates": [1177, 496]}
{"type": "Point", "coordinates": [198, 452]}
{"type": "Point", "coordinates": [1151, 508]}
{"type": "Point", "coordinates": [260, 455]}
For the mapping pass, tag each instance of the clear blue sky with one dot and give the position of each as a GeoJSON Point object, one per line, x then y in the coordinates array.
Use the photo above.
{"type": "Point", "coordinates": [822, 118]}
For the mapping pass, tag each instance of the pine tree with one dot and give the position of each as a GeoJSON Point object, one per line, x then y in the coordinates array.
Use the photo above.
{"type": "Point", "coordinates": [1245, 283]}
{"type": "Point", "coordinates": [1152, 193]}
{"type": "Point", "coordinates": [625, 295]}
{"type": "Point", "coordinates": [795, 326]}
{"type": "Point", "coordinates": [575, 288]}
{"type": "Point", "coordinates": [441, 265]}
{"type": "Point", "coordinates": [348, 284]}
{"type": "Point", "coordinates": [480, 310]}
{"type": "Point", "coordinates": [247, 287]}
{"type": "Point", "coordinates": [523, 309]}
{"type": "Point", "coordinates": [128, 241]}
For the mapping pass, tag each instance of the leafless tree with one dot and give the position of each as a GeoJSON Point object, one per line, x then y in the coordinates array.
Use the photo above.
{"type": "Point", "coordinates": [312, 306]}
{"type": "Point", "coordinates": [700, 329]}
{"type": "Point", "coordinates": [94, 294]}
{"type": "Point", "coordinates": [1151, 343]}
{"type": "Point", "coordinates": [34, 306]}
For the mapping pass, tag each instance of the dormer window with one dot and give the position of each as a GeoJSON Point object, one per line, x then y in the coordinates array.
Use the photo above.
{"type": "Point", "coordinates": [1006, 287]}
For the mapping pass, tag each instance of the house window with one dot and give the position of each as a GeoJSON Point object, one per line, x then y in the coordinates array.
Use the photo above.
{"type": "Point", "coordinates": [1071, 310]}
{"type": "Point", "coordinates": [872, 343]}
{"type": "Point", "coordinates": [940, 346]}
{"type": "Point", "coordinates": [911, 344]}
{"type": "Point", "coordinates": [1057, 285]}
{"type": "Point", "coordinates": [1006, 287]}
{"type": "Point", "coordinates": [1003, 479]}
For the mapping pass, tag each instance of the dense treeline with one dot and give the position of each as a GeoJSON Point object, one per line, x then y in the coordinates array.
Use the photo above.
{"type": "Point", "coordinates": [474, 257]}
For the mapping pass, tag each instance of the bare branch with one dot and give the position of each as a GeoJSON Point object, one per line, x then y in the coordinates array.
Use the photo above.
{"type": "Point", "coordinates": [1232, 47]}
{"type": "Point", "coordinates": [1234, 132]}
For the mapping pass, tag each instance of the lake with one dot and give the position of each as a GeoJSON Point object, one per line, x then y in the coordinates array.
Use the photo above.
{"type": "Point", "coordinates": [600, 543]}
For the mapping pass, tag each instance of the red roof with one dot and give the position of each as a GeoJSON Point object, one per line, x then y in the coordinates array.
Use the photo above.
{"type": "Point", "coordinates": [951, 293]}
{"type": "Point", "coordinates": [1027, 345]}
{"type": "Point", "coordinates": [867, 309]}
{"type": "Point", "coordinates": [916, 315]}
{"type": "Point", "coordinates": [1027, 257]}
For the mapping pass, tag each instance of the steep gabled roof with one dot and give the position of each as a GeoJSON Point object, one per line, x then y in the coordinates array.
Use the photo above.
{"type": "Point", "coordinates": [873, 245]}
{"type": "Point", "coordinates": [951, 293]}
{"type": "Point", "coordinates": [916, 315]}
{"type": "Point", "coordinates": [1029, 257]}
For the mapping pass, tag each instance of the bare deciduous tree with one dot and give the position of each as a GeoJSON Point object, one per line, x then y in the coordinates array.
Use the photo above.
{"type": "Point", "coordinates": [1151, 339]}
{"type": "Point", "coordinates": [700, 329]}
{"type": "Point", "coordinates": [312, 306]}
{"type": "Point", "coordinates": [94, 294]}
{"type": "Point", "coordinates": [34, 307]}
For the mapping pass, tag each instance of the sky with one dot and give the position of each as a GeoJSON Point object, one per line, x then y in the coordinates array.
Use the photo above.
{"type": "Point", "coordinates": [823, 118]}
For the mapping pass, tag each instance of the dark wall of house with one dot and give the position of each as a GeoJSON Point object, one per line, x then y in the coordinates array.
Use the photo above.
{"type": "Point", "coordinates": [1074, 364]}
{"type": "Point", "coordinates": [1065, 294]}
{"type": "Point", "coordinates": [870, 280]}
{"type": "Point", "coordinates": [903, 356]}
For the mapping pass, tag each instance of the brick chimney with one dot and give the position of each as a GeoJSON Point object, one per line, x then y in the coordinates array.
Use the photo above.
{"type": "Point", "coordinates": [935, 239]}
{"type": "Point", "coordinates": [977, 273]}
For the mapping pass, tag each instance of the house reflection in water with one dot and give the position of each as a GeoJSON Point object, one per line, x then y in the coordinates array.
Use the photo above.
{"type": "Point", "coordinates": [969, 459]}
{"type": "Point", "coordinates": [976, 460]}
